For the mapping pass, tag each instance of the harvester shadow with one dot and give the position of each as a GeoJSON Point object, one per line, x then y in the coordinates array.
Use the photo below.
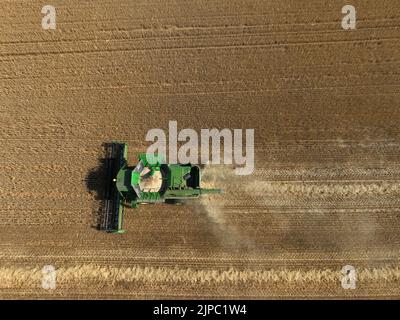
{"type": "Point", "coordinates": [96, 185]}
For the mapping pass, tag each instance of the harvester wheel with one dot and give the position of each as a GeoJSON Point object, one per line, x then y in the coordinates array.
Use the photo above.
{"type": "Point", "coordinates": [177, 202]}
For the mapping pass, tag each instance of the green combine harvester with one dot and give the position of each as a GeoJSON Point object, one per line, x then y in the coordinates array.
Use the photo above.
{"type": "Point", "coordinates": [179, 182]}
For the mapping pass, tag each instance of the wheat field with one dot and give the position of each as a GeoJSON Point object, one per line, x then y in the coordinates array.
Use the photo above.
{"type": "Point", "coordinates": [323, 103]}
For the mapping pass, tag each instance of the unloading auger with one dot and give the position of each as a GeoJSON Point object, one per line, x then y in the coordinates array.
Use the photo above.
{"type": "Point", "coordinates": [179, 182]}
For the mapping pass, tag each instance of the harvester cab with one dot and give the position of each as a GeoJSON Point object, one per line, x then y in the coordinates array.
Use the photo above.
{"type": "Point", "coordinates": [128, 186]}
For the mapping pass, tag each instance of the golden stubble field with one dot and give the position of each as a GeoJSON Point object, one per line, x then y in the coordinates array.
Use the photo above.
{"type": "Point", "coordinates": [325, 106]}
